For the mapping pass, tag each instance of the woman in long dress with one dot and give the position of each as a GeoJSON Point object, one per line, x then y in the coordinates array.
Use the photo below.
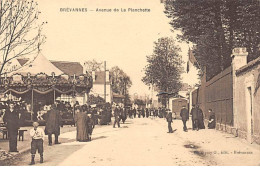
{"type": "Point", "coordinates": [81, 123]}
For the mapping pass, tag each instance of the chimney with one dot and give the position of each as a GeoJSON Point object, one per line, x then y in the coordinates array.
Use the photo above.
{"type": "Point", "coordinates": [239, 58]}
{"type": "Point", "coordinates": [93, 76]}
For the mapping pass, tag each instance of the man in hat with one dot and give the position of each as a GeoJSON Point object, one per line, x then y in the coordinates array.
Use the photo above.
{"type": "Point", "coordinates": [116, 115]}
{"type": "Point", "coordinates": [184, 116]}
{"type": "Point", "coordinates": [169, 120]}
{"type": "Point", "coordinates": [11, 118]}
{"type": "Point", "coordinates": [53, 123]}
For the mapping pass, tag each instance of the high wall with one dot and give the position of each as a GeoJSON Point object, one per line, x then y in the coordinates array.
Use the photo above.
{"type": "Point", "coordinates": [234, 96]}
{"type": "Point", "coordinates": [247, 101]}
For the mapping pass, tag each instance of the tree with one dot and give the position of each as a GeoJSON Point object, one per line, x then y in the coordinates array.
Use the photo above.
{"type": "Point", "coordinates": [216, 27]}
{"type": "Point", "coordinates": [121, 82]}
{"type": "Point", "coordinates": [93, 65]}
{"type": "Point", "coordinates": [20, 34]}
{"type": "Point", "coordinates": [164, 66]}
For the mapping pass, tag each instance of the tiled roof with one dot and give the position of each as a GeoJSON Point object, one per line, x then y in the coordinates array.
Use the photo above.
{"type": "Point", "coordinates": [69, 68]}
{"type": "Point", "coordinates": [248, 66]}
{"type": "Point", "coordinates": [22, 61]}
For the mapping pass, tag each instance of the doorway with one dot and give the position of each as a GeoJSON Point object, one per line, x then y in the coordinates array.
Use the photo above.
{"type": "Point", "coordinates": [249, 112]}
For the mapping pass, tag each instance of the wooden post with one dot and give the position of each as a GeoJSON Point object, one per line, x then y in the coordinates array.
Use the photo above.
{"type": "Point", "coordinates": [54, 96]}
{"type": "Point", "coordinates": [32, 107]}
{"type": "Point", "coordinates": [105, 79]}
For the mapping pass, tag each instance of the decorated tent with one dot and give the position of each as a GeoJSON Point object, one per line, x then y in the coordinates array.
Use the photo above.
{"type": "Point", "coordinates": [39, 64]}
{"type": "Point", "coordinates": [39, 81]}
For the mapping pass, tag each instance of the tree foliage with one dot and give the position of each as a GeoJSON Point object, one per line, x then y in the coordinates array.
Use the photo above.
{"type": "Point", "coordinates": [93, 65]}
{"type": "Point", "coordinates": [164, 66]}
{"type": "Point", "coordinates": [20, 33]}
{"type": "Point", "coordinates": [216, 27]}
{"type": "Point", "coordinates": [121, 82]}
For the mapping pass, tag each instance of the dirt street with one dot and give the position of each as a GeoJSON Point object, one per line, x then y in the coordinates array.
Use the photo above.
{"type": "Point", "coordinates": [145, 142]}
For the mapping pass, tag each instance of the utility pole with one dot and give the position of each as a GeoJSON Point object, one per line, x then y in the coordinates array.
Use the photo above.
{"type": "Point", "coordinates": [105, 82]}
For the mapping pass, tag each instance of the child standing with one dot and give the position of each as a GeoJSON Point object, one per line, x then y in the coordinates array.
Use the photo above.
{"type": "Point", "coordinates": [37, 135]}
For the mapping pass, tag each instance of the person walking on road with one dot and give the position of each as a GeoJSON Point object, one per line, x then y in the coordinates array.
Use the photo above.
{"type": "Point", "coordinates": [11, 118]}
{"type": "Point", "coordinates": [200, 118]}
{"type": "Point", "coordinates": [90, 126]}
{"type": "Point", "coordinates": [184, 117]}
{"type": "Point", "coordinates": [191, 112]}
{"type": "Point", "coordinates": [53, 123]}
{"type": "Point", "coordinates": [143, 113]}
{"type": "Point", "coordinates": [134, 112]}
{"type": "Point", "coordinates": [147, 112]}
{"type": "Point", "coordinates": [81, 124]}
{"type": "Point", "coordinates": [195, 120]}
{"type": "Point", "coordinates": [169, 120]}
{"type": "Point", "coordinates": [116, 115]}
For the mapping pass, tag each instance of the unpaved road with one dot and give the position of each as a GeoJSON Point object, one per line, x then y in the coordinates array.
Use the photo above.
{"type": "Point", "coordinates": [145, 142]}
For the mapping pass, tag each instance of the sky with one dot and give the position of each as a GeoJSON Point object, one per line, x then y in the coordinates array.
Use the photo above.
{"type": "Point", "coordinates": [121, 39]}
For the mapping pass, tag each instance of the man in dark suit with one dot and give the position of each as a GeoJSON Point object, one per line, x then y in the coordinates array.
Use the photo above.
{"type": "Point", "coordinates": [53, 123]}
{"type": "Point", "coordinates": [193, 109]}
{"type": "Point", "coordinates": [184, 116]}
{"type": "Point", "coordinates": [116, 115]}
{"type": "Point", "coordinates": [169, 120]}
{"type": "Point", "coordinates": [11, 118]}
{"type": "Point", "coordinates": [195, 120]}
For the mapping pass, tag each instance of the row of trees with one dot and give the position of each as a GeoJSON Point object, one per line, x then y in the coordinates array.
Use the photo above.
{"type": "Point", "coordinates": [216, 27]}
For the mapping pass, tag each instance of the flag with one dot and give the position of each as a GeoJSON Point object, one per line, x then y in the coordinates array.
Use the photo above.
{"type": "Point", "coordinates": [191, 60]}
{"type": "Point", "coordinates": [188, 66]}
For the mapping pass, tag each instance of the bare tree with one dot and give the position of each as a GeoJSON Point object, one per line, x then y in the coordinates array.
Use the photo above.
{"type": "Point", "coordinates": [20, 33]}
{"type": "Point", "coordinates": [93, 65]}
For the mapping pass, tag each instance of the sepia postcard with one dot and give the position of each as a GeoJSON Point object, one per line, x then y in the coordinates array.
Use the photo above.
{"type": "Point", "coordinates": [129, 83]}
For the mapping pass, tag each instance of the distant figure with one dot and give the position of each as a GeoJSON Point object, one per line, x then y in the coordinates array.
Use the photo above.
{"type": "Point", "coordinates": [169, 120]}
{"type": "Point", "coordinates": [90, 126]}
{"type": "Point", "coordinates": [134, 112]}
{"type": "Point", "coordinates": [195, 120]}
{"type": "Point", "coordinates": [212, 120]}
{"type": "Point", "coordinates": [123, 114]}
{"type": "Point", "coordinates": [184, 116]}
{"type": "Point", "coordinates": [139, 113]}
{"type": "Point", "coordinates": [117, 118]}
{"type": "Point", "coordinates": [81, 124]}
{"type": "Point", "coordinates": [11, 118]}
{"type": "Point", "coordinates": [143, 113]}
{"type": "Point", "coordinates": [53, 123]}
{"type": "Point", "coordinates": [192, 112]}
{"type": "Point", "coordinates": [37, 135]}
{"type": "Point", "coordinates": [200, 118]}
{"type": "Point", "coordinates": [147, 112]}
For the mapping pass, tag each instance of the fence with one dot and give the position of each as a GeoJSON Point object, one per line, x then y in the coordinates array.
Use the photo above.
{"type": "Point", "coordinates": [217, 94]}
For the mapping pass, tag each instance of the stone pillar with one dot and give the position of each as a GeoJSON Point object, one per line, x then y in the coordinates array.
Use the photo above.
{"type": "Point", "coordinates": [239, 59]}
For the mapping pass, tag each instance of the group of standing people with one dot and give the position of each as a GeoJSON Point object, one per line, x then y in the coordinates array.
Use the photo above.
{"type": "Point", "coordinates": [197, 117]}
{"type": "Point", "coordinates": [85, 124]}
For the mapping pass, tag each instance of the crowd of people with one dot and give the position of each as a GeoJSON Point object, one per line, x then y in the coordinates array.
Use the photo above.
{"type": "Point", "coordinates": [85, 118]}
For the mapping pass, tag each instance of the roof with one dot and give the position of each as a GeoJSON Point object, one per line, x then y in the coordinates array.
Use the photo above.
{"type": "Point", "coordinates": [248, 66]}
{"type": "Point", "coordinates": [118, 95]}
{"type": "Point", "coordinates": [69, 68]}
{"type": "Point", "coordinates": [22, 61]}
{"type": "Point", "coordinates": [40, 64]}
